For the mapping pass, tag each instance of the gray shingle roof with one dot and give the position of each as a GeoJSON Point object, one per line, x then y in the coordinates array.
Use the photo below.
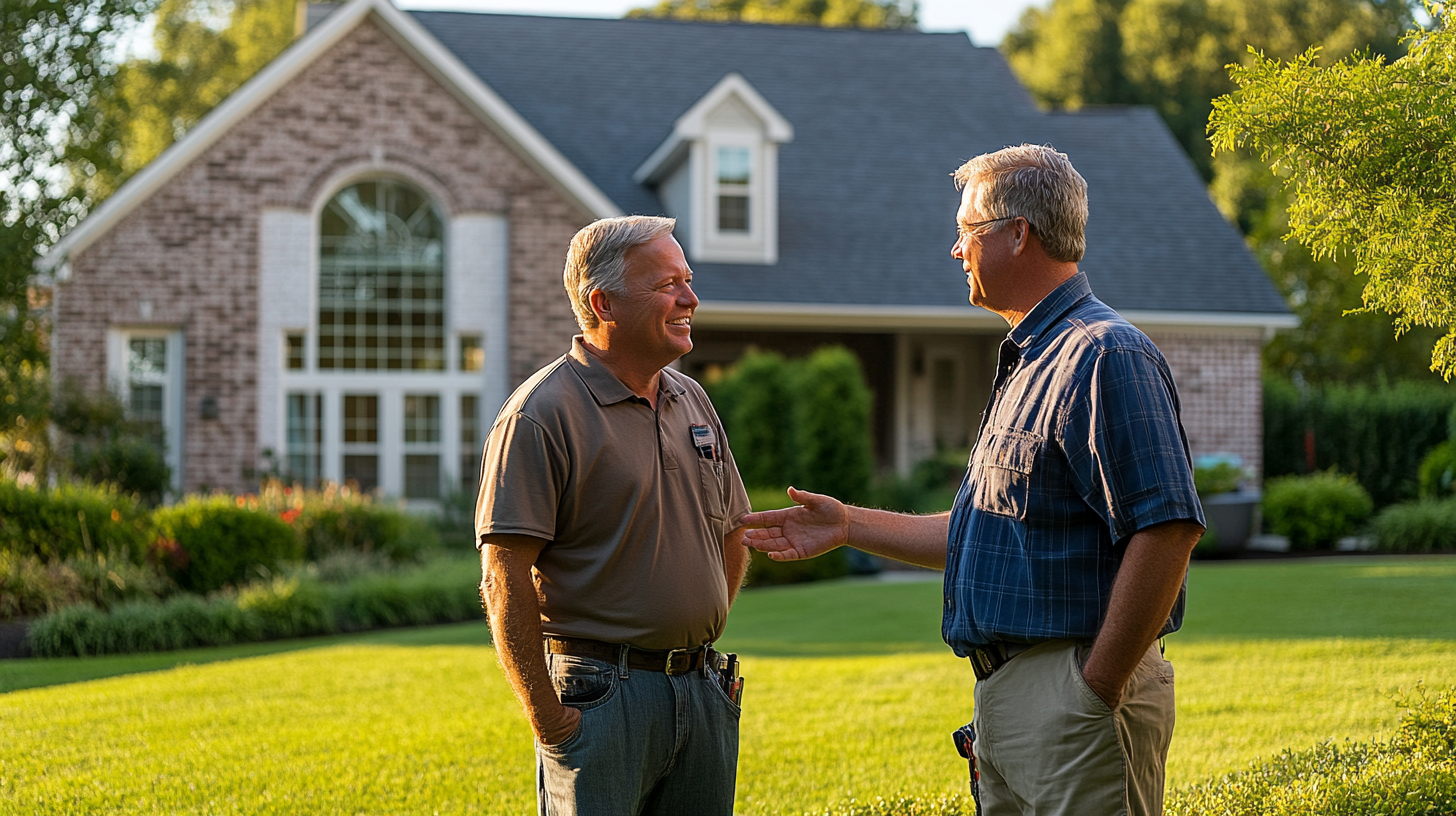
{"type": "Point", "coordinates": [866, 204]}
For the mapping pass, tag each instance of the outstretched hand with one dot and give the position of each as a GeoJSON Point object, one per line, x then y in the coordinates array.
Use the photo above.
{"type": "Point", "coordinates": [815, 526]}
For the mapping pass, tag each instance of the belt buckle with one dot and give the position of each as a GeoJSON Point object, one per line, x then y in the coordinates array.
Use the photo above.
{"type": "Point", "coordinates": [667, 667]}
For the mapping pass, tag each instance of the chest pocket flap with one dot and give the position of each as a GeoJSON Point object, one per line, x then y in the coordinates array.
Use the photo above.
{"type": "Point", "coordinates": [1004, 473]}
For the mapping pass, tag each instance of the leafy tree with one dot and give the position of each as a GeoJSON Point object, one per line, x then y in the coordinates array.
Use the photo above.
{"type": "Point", "coordinates": [1367, 151]}
{"type": "Point", "coordinates": [56, 57]}
{"type": "Point", "coordinates": [829, 13]}
{"type": "Point", "coordinates": [204, 50]}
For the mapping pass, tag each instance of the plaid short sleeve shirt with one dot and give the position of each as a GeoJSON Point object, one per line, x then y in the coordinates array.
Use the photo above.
{"type": "Point", "coordinates": [1081, 447]}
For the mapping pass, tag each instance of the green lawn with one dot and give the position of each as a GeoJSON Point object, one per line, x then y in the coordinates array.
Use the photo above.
{"type": "Point", "coordinates": [850, 693]}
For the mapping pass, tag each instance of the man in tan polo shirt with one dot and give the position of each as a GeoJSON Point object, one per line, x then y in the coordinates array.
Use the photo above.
{"type": "Point", "coordinates": [611, 546]}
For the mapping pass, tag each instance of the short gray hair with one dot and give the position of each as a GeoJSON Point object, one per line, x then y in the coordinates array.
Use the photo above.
{"type": "Point", "coordinates": [598, 259]}
{"type": "Point", "coordinates": [1039, 184]}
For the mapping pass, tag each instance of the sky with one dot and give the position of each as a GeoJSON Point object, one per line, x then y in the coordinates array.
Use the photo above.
{"type": "Point", "coordinates": [986, 21]}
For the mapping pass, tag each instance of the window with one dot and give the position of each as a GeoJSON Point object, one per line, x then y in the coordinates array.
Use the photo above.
{"type": "Point", "coordinates": [381, 281]}
{"type": "Point", "coordinates": [145, 366]}
{"type": "Point", "coordinates": [361, 441]}
{"type": "Point", "coordinates": [733, 180]}
{"type": "Point", "coordinates": [146, 385]}
{"type": "Point", "coordinates": [305, 437]}
{"type": "Point", "coordinates": [295, 352]}
{"type": "Point", "coordinates": [421, 445]}
{"type": "Point", "coordinates": [470, 442]}
{"type": "Point", "coordinates": [472, 353]}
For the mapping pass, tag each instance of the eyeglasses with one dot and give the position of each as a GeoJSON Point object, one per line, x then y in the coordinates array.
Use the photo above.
{"type": "Point", "coordinates": [963, 230]}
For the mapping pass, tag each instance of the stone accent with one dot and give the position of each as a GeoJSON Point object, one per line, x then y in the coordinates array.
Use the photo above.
{"type": "Point", "coordinates": [188, 257]}
{"type": "Point", "coordinates": [1220, 385]}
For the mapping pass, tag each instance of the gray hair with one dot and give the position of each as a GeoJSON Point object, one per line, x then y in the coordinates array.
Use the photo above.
{"type": "Point", "coordinates": [1039, 184]}
{"type": "Point", "coordinates": [598, 259]}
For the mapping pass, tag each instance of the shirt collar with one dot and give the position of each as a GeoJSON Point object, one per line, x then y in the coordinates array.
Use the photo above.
{"type": "Point", "coordinates": [605, 388]}
{"type": "Point", "coordinates": [1050, 309]}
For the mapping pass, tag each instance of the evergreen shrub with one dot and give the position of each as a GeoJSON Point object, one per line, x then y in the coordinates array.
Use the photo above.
{"type": "Point", "coordinates": [1437, 476]}
{"type": "Point", "coordinates": [761, 413]}
{"type": "Point", "coordinates": [223, 541]}
{"type": "Point", "coordinates": [832, 419]}
{"type": "Point", "coordinates": [338, 519]}
{"type": "Point", "coordinates": [1379, 435]}
{"type": "Point", "coordinates": [58, 523]}
{"type": "Point", "coordinates": [764, 571]}
{"type": "Point", "coordinates": [1317, 510]}
{"type": "Point", "coordinates": [1416, 527]}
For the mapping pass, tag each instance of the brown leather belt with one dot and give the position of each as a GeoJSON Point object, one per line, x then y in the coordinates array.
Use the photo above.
{"type": "Point", "coordinates": [666, 661]}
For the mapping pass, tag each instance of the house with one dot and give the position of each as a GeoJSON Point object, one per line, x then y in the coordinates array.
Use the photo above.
{"type": "Point", "coordinates": [353, 260]}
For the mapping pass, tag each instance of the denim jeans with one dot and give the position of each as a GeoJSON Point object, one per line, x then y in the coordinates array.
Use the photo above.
{"type": "Point", "coordinates": [648, 744]}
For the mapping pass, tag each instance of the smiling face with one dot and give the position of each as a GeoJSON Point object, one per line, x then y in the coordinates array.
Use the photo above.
{"type": "Point", "coordinates": [652, 321]}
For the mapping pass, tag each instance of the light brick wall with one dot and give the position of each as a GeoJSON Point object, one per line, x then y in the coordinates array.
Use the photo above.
{"type": "Point", "coordinates": [1219, 379]}
{"type": "Point", "coordinates": [191, 250]}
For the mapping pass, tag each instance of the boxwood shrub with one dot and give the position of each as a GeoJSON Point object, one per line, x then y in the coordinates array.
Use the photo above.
{"type": "Point", "coordinates": [1416, 527]}
{"type": "Point", "coordinates": [56, 523]}
{"type": "Point", "coordinates": [221, 541]}
{"type": "Point", "coordinates": [1317, 510]}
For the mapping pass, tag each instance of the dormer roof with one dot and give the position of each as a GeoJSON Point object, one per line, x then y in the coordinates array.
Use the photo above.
{"type": "Point", "coordinates": [731, 103]}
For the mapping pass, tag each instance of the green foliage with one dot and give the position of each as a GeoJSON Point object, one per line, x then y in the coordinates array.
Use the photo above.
{"type": "Point", "coordinates": [1221, 477]}
{"type": "Point", "coordinates": [1438, 472]}
{"type": "Point", "coordinates": [1379, 434]}
{"type": "Point", "coordinates": [832, 419]}
{"type": "Point", "coordinates": [71, 520]}
{"type": "Point", "coordinates": [943, 805]}
{"type": "Point", "coordinates": [762, 389]}
{"type": "Point", "coordinates": [223, 541]}
{"type": "Point", "coordinates": [1365, 147]}
{"type": "Point", "coordinates": [1315, 510]}
{"type": "Point", "coordinates": [99, 444]}
{"type": "Point", "coordinates": [30, 586]}
{"type": "Point", "coordinates": [338, 520]}
{"type": "Point", "coordinates": [828, 13]}
{"type": "Point", "coordinates": [1416, 527]}
{"type": "Point", "coordinates": [276, 608]}
{"type": "Point", "coordinates": [1411, 774]}
{"type": "Point", "coordinates": [764, 571]}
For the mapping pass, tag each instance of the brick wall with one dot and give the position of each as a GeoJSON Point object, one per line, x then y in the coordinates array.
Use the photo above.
{"type": "Point", "coordinates": [1219, 379]}
{"type": "Point", "coordinates": [188, 257]}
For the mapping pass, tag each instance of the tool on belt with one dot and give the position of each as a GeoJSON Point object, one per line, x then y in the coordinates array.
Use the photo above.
{"type": "Point", "coordinates": [965, 743]}
{"type": "Point", "coordinates": [725, 671]}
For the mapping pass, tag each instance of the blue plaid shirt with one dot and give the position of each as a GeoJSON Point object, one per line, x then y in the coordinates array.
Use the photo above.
{"type": "Point", "coordinates": [1080, 447]}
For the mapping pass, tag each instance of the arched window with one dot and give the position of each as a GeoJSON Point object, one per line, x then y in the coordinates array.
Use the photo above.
{"type": "Point", "coordinates": [381, 280]}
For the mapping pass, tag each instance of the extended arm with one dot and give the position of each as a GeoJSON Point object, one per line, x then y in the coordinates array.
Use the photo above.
{"type": "Point", "coordinates": [515, 624]}
{"type": "Point", "coordinates": [820, 523]}
{"type": "Point", "coordinates": [735, 562]}
{"type": "Point", "coordinates": [1142, 596]}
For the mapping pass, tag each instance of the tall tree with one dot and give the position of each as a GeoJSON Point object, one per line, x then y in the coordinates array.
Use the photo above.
{"type": "Point", "coordinates": [57, 56]}
{"type": "Point", "coordinates": [829, 13]}
{"type": "Point", "coordinates": [203, 51]}
{"type": "Point", "coordinates": [1366, 150]}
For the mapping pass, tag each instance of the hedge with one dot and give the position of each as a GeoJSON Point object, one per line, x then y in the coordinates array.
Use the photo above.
{"type": "Point", "coordinates": [1380, 435]}
{"type": "Point", "coordinates": [216, 541]}
{"type": "Point", "coordinates": [284, 607]}
{"type": "Point", "coordinates": [1315, 511]}
{"type": "Point", "coordinates": [55, 524]}
{"type": "Point", "coordinates": [1416, 527]}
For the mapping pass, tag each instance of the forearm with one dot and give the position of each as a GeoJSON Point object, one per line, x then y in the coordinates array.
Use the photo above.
{"type": "Point", "coordinates": [515, 625]}
{"type": "Point", "coordinates": [919, 540]}
{"type": "Point", "coordinates": [1143, 594]}
{"type": "Point", "coordinates": [735, 562]}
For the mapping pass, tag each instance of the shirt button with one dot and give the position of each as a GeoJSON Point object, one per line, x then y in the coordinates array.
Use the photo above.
{"type": "Point", "coordinates": [947, 602]}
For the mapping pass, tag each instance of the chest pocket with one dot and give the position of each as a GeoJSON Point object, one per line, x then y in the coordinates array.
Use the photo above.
{"type": "Point", "coordinates": [711, 474]}
{"type": "Point", "coordinates": [1004, 467]}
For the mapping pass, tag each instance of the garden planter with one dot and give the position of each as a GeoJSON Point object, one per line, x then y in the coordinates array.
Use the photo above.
{"type": "Point", "coordinates": [1231, 517]}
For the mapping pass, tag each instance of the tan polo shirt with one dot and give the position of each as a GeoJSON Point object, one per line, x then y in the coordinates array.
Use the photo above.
{"type": "Point", "coordinates": [634, 502]}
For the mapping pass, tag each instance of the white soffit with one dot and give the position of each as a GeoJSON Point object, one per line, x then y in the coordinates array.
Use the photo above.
{"type": "Point", "coordinates": [693, 124]}
{"type": "Point", "coordinates": [434, 57]}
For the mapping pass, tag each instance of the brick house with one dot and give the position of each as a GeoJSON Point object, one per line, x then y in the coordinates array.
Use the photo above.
{"type": "Point", "coordinates": [352, 261]}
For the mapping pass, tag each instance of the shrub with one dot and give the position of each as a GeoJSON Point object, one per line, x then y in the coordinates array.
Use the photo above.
{"type": "Point", "coordinates": [1380, 435]}
{"type": "Point", "coordinates": [70, 520]}
{"type": "Point", "coordinates": [1411, 774]}
{"type": "Point", "coordinates": [225, 541]}
{"type": "Point", "coordinates": [338, 519]}
{"type": "Point", "coordinates": [760, 418]}
{"type": "Point", "coordinates": [102, 446]}
{"type": "Point", "coordinates": [1220, 477]}
{"type": "Point", "coordinates": [832, 417]}
{"type": "Point", "coordinates": [1315, 511]}
{"type": "Point", "coordinates": [1416, 527]}
{"type": "Point", "coordinates": [1437, 476]}
{"type": "Point", "coordinates": [764, 571]}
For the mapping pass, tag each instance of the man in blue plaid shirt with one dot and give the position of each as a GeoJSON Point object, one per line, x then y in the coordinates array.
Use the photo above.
{"type": "Point", "coordinates": [1067, 548]}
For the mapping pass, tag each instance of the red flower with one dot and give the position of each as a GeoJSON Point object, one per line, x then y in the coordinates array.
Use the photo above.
{"type": "Point", "coordinates": [289, 515]}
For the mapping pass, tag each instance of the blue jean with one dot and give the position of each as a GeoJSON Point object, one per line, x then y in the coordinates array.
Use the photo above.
{"type": "Point", "coordinates": [648, 744]}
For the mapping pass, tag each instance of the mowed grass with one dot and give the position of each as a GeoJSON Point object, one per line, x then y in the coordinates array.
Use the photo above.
{"type": "Point", "coordinates": [850, 694]}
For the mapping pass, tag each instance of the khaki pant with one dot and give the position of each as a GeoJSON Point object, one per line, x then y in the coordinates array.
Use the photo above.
{"type": "Point", "coordinates": [1046, 744]}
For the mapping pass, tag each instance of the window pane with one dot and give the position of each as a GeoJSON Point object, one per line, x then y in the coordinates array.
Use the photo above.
{"type": "Point", "coordinates": [295, 352]}
{"type": "Point", "coordinates": [472, 353]}
{"type": "Point", "coordinates": [470, 442]}
{"type": "Point", "coordinates": [381, 281]}
{"type": "Point", "coordinates": [421, 418]}
{"type": "Point", "coordinates": [146, 355]}
{"type": "Point", "coordinates": [362, 471]}
{"type": "Point", "coordinates": [361, 418]}
{"type": "Point", "coordinates": [305, 437]}
{"type": "Point", "coordinates": [733, 165]}
{"type": "Point", "coordinates": [422, 476]}
{"type": "Point", "coordinates": [733, 213]}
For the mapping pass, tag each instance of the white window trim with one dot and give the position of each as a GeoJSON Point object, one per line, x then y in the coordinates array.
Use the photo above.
{"type": "Point", "coordinates": [174, 386]}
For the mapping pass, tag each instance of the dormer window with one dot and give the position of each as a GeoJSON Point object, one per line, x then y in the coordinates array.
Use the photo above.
{"type": "Point", "coordinates": [733, 180]}
{"type": "Point", "coordinates": [718, 175]}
